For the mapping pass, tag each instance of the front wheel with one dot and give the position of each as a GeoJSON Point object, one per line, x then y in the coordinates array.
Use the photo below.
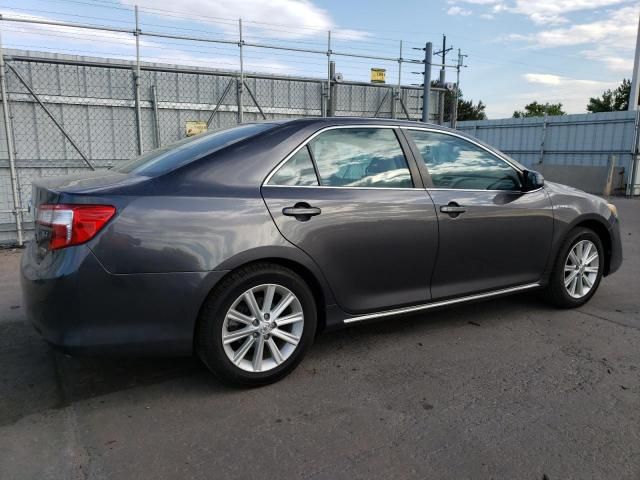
{"type": "Point", "coordinates": [578, 269]}
{"type": "Point", "coordinates": [257, 325]}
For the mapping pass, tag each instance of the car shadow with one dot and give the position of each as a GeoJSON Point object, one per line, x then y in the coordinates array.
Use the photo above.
{"type": "Point", "coordinates": [35, 378]}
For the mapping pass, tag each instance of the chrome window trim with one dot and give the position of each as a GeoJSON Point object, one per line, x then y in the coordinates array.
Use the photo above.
{"type": "Point", "coordinates": [519, 192]}
{"type": "Point", "coordinates": [345, 188]}
{"type": "Point", "coordinates": [427, 189]}
{"type": "Point", "coordinates": [265, 183]}
{"type": "Point", "coordinates": [442, 303]}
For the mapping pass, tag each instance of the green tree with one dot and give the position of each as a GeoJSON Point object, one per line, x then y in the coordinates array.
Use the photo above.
{"type": "Point", "coordinates": [535, 109]}
{"type": "Point", "coordinates": [611, 100]}
{"type": "Point", "coordinates": [467, 110]}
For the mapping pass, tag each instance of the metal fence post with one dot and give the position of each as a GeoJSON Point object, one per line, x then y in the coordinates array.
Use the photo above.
{"type": "Point", "coordinates": [633, 162]}
{"type": "Point", "coordinates": [396, 96]}
{"type": "Point", "coordinates": [611, 168]}
{"type": "Point", "coordinates": [329, 76]}
{"type": "Point", "coordinates": [393, 102]}
{"type": "Point", "coordinates": [426, 89]}
{"type": "Point", "coordinates": [323, 100]}
{"type": "Point", "coordinates": [15, 186]}
{"type": "Point", "coordinates": [156, 118]}
{"type": "Point", "coordinates": [454, 108]}
{"type": "Point", "coordinates": [544, 138]}
{"type": "Point", "coordinates": [331, 106]}
{"type": "Point", "coordinates": [240, 84]}
{"type": "Point", "coordinates": [136, 79]}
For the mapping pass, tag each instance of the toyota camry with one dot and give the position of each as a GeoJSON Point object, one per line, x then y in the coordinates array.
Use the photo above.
{"type": "Point", "coordinates": [242, 244]}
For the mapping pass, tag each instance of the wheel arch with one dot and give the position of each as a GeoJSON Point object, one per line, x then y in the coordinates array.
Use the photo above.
{"type": "Point", "coordinates": [599, 227]}
{"type": "Point", "coordinates": [288, 257]}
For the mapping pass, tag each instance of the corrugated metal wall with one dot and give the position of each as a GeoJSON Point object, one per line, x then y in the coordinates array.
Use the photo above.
{"type": "Point", "coordinates": [579, 141]}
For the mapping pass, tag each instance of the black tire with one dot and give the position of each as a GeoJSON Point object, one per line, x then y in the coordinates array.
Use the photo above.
{"type": "Point", "coordinates": [556, 293]}
{"type": "Point", "coordinates": [209, 344]}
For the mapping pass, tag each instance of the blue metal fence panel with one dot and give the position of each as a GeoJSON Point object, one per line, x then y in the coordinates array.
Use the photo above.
{"type": "Point", "coordinates": [582, 140]}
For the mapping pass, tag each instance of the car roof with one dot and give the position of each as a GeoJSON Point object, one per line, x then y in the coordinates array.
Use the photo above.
{"type": "Point", "coordinates": [328, 121]}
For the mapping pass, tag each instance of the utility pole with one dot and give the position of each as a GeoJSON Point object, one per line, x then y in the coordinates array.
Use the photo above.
{"type": "Point", "coordinates": [443, 54]}
{"type": "Point", "coordinates": [442, 80]}
{"type": "Point", "coordinates": [426, 87]}
{"type": "Point", "coordinates": [635, 86]}
{"type": "Point", "coordinates": [456, 92]}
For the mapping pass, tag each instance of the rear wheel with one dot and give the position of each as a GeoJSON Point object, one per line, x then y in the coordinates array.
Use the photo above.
{"type": "Point", "coordinates": [578, 269]}
{"type": "Point", "coordinates": [257, 325]}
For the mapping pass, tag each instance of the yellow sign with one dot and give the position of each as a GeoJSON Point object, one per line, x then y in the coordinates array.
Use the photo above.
{"type": "Point", "coordinates": [378, 75]}
{"type": "Point", "coordinates": [194, 127]}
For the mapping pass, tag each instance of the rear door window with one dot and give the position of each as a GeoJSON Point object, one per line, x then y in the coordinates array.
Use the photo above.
{"type": "Point", "coordinates": [360, 157]}
{"type": "Point", "coordinates": [297, 171]}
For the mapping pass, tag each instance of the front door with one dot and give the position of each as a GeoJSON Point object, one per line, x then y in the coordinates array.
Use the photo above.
{"type": "Point", "coordinates": [492, 235]}
{"type": "Point", "coordinates": [347, 199]}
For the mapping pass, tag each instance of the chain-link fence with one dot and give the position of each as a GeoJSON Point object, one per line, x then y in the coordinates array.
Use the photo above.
{"type": "Point", "coordinates": [69, 114]}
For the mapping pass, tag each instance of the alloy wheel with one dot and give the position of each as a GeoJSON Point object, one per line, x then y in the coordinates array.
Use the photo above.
{"type": "Point", "coordinates": [262, 328]}
{"type": "Point", "coordinates": [581, 268]}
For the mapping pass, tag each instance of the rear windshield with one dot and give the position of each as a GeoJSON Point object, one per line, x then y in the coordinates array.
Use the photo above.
{"type": "Point", "coordinates": [168, 158]}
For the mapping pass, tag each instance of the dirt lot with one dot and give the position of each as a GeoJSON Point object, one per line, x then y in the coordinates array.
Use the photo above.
{"type": "Point", "coordinates": [503, 389]}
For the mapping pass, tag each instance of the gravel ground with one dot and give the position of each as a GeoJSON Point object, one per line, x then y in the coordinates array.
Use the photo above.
{"type": "Point", "coordinates": [508, 388]}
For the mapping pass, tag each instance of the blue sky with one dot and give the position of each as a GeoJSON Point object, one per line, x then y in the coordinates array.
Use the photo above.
{"type": "Point", "coordinates": [518, 50]}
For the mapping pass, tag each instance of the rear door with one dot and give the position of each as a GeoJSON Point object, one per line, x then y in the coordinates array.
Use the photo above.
{"type": "Point", "coordinates": [352, 201]}
{"type": "Point", "coordinates": [492, 235]}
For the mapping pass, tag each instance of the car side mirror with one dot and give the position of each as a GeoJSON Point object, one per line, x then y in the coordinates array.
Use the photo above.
{"type": "Point", "coordinates": [531, 180]}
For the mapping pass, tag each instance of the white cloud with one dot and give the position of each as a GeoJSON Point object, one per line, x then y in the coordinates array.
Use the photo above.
{"type": "Point", "coordinates": [545, 79]}
{"type": "Point", "coordinates": [610, 40]}
{"type": "Point", "coordinates": [72, 40]}
{"type": "Point", "coordinates": [619, 28]}
{"type": "Point", "coordinates": [487, 16]}
{"type": "Point", "coordinates": [613, 61]}
{"type": "Point", "coordinates": [455, 10]}
{"type": "Point", "coordinates": [286, 18]}
{"type": "Point", "coordinates": [561, 81]}
{"type": "Point", "coordinates": [478, 2]}
{"type": "Point", "coordinates": [543, 12]}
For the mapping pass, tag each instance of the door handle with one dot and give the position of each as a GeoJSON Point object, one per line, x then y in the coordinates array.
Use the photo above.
{"type": "Point", "coordinates": [302, 211]}
{"type": "Point", "coordinates": [453, 209]}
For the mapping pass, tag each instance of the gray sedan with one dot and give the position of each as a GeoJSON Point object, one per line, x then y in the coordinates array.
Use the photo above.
{"type": "Point", "coordinates": [242, 244]}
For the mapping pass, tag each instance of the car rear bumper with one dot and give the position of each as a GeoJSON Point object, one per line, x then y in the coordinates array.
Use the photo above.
{"type": "Point", "coordinates": [80, 308]}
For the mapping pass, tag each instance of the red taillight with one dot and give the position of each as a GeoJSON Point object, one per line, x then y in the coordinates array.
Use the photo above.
{"type": "Point", "coordinates": [73, 224]}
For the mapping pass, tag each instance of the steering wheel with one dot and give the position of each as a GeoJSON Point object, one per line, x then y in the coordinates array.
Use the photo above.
{"type": "Point", "coordinates": [497, 182]}
{"type": "Point", "coordinates": [457, 181]}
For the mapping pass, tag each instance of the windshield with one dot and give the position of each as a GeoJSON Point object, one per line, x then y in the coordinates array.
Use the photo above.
{"type": "Point", "coordinates": [165, 159]}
